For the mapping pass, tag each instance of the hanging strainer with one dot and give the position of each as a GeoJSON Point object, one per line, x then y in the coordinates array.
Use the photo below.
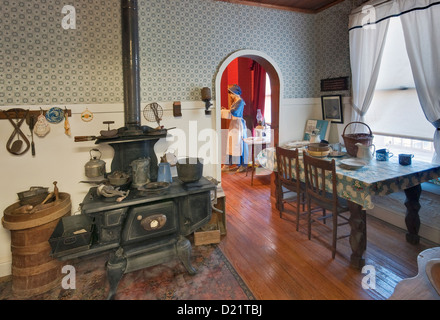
{"type": "Point", "coordinates": [153, 113]}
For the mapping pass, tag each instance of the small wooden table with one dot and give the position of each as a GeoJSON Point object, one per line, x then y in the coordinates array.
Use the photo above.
{"type": "Point", "coordinates": [255, 141]}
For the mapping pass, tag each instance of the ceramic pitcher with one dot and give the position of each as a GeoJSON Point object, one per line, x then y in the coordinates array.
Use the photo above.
{"type": "Point", "coordinates": [364, 152]}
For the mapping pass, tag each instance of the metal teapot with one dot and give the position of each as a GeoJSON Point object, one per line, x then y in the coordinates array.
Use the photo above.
{"type": "Point", "coordinates": [95, 167]}
{"type": "Point", "coordinates": [364, 151]}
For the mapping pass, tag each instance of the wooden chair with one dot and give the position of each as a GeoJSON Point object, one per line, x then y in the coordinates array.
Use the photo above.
{"type": "Point", "coordinates": [287, 173]}
{"type": "Point", "coordinates": [317, 173]}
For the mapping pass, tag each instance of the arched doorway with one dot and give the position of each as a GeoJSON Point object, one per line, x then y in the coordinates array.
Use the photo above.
{"type": "Point", "coordinates": [274, 74]}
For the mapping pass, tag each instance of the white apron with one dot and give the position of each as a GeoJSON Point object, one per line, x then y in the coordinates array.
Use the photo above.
{"type": "Point", "coordinates": [234, 145]}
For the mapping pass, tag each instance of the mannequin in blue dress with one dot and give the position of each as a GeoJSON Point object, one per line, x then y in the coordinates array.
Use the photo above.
{"type": "Point", "coordinates": [237, 150]}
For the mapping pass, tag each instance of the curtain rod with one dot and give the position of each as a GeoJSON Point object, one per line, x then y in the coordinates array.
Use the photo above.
{"type": "Point", "coordinates": [398, 14]}
{"type": "Point", "coordinates": [359, 9]}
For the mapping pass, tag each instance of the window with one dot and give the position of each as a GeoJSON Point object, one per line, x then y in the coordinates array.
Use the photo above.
{"type": "Point", "coordinates": [268, 102]}
{"type": "Point", "coordinates": [395, 115]}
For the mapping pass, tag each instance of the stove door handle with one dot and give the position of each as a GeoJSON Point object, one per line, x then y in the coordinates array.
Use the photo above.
{"type": "Point", "coordinates": [69, 240]}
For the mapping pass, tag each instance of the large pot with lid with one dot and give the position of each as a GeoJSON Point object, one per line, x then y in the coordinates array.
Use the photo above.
{"type": "Point", "coordinates": [189, 169]}
{"type": "Point", "coordinates": [95, 167]}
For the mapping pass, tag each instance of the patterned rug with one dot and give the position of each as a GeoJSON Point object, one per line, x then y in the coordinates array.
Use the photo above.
{"type": "Point", "coordinates": [216, 279]}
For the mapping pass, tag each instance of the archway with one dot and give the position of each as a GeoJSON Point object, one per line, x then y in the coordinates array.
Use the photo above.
{"type": "Point", "coordinates": [274, 74]}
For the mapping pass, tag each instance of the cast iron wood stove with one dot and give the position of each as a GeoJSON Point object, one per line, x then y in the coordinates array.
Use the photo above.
{"type": "Point", "coordinates": [145, 229]}
{"type": "Point", "coordinates": [148, 227]}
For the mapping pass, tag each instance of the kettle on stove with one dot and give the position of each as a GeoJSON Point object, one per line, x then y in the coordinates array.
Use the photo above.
{"type": "Point", "coordinates": [95, 167]}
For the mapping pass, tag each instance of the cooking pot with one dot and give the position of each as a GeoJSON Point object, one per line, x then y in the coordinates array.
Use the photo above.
{"type": "Point", "coordinates": [189, 169]}
{"type": "Point", "coordinates": [118, 178]}
{"type": "Point", "coordinates": [95, 167]}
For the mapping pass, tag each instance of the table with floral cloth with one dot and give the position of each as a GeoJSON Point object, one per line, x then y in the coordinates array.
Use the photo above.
{"type": "Point", "coordinates": [376, 178]}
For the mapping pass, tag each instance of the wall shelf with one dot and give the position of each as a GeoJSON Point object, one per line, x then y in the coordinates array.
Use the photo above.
{"type": "Point", "coordinates": [21, 113]}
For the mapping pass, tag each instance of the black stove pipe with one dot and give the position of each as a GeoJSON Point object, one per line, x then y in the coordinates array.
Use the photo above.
{"type": "Point", "coordinates": [130, 64]}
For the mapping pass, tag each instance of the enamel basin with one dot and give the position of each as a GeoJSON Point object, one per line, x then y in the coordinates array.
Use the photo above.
{"type": "Point", "coordinates": [433, 273]}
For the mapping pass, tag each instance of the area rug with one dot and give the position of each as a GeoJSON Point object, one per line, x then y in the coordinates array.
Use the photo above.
{"type": "Point", "coordinates": [216, 279]}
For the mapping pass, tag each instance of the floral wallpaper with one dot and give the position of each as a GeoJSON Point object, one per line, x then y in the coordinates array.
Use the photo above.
{"type": "Point", "coordinates": [182, 43]}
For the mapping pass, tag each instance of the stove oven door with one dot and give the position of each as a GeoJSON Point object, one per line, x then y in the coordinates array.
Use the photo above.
{"type": "Point", "coordinates": [196, 211]}
{"type": "Point", "coordinates": [150, 221]}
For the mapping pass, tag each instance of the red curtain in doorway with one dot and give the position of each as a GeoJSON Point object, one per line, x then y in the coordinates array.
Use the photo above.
{"type": "Point", "coordinates": [259, 90]}
{"type": "Point", "coordinates": [251, 77]}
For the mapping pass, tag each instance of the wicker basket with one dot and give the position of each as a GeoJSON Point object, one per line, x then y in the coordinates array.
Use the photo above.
{"type": "Point", "coordinates": [351, 139]}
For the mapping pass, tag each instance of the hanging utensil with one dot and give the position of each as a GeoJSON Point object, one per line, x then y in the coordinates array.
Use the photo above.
{"type": "Point", "coordinates": [31, 128]}
{"type": "Point", "coordinates": [16, 146]}
{"type": "Point", "coordinates": [42, 127]}
{"type": "Point", "coordinates": [87, 115]}
{"type": "Point", "coordinates": [55, 115]}
{"type": "Point", "coordinates": [153, 112]}
{"type": "Point", "coordinates": [67, 130]}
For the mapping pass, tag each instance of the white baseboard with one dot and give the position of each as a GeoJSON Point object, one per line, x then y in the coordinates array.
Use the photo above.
{"type": "Point", "coordinates": [5, 268]}
{"type": "Point", "coordinates": [398, 219]}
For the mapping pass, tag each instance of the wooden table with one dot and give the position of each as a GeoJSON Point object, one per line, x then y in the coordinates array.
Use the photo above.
{"type": "Point", "coordinates": [376, 178]}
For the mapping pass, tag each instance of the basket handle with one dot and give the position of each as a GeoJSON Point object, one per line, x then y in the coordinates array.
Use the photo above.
{"type": "Point", "coordinates": [343, 133]}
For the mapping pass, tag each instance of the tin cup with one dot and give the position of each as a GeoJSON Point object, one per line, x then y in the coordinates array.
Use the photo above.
{"type": "Point", "coordinates": [383, 155]}
{"type": "Point", "coordinates": [405, 159]}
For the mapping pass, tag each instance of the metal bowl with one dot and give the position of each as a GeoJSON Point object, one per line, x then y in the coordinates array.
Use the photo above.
{"type": "Point", "coordinates": [320, 147]}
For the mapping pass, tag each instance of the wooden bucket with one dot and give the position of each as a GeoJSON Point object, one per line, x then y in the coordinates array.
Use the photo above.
{"type": "Point", "coordinates": [34, 271]}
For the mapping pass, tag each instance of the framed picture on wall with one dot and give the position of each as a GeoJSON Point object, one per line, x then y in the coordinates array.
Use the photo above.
{"type": "Point", "coordinates": [332, 108]}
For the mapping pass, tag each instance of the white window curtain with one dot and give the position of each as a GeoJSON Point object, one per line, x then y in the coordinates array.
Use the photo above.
{"type": "Point", "coordinates": [421, 26]}
{"type": "Point", "coordinates": [367, 40]}
{"type": "Point", "coordinates": [421, 29]}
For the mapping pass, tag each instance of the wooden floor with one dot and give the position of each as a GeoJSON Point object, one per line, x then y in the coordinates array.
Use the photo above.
{"type": "Point", "coordinates": [279, 263]}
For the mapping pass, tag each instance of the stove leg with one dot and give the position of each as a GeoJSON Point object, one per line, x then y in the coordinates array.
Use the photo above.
{"type": "Point", "coordinates": [184, 254]}
{"type": "Point", "coordinates": [115, 270]}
